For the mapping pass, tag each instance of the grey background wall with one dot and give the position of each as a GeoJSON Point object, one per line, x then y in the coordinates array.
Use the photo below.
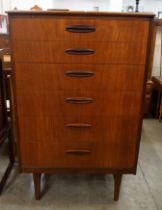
{"type": "Point", "coordinates": [4, 5]}
{"type": "Point", "coordinates": [114, 5]}
{"type": "Point", "coordinates": [157, 54]}
{"type": "Point", "coordinates": [146, 5]}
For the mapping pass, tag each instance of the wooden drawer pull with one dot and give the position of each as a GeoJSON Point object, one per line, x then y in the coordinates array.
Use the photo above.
{"type": "Point", "coordinates": [74, 51]}
{"type": "Point", "coordinates": [78, 125]}
{"type": "Point", "coordinates": [79, 100]}
{"type": "Point", "coordinates": [80, 28]}
{"type": "Point", "coordinates": [79, 73]}
{"type": "Point", "coordinates": [78, 152]}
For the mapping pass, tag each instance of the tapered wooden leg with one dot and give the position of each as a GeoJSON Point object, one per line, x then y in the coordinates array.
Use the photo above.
{"type": "Point", "coordinates": [37, 179]}
{"type": "Point", "coordinates": [117, 185]}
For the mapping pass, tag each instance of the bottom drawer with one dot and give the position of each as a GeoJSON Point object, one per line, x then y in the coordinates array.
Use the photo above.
{"type": "Point", "coordinates": [101, 154]}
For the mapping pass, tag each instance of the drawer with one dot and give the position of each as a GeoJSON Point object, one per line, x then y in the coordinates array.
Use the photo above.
{"type": "Point", "coordinates": [79, 52]}
{"type": "Point", "coordinates": [78, 77]}
{"type": "Point", "coordinates": [4, 41]}
{"type": "Point", "coordinates": [57, 156]}
{"type": "Point", "coordinates": [105, 150]}
{"type": "Point", "coordinates": [102, 29]}
{"type": "Point", "coordinates": [63, 129]}
{"type": "Point", "coordinates": [74, 103]}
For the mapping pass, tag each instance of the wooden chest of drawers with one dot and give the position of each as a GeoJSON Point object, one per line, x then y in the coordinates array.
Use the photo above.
{"type": "Point", "coordinates": [78, 91]}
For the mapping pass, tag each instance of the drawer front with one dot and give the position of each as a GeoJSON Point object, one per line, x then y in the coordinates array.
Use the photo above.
{"type": "Point", "coordinates": [70, 149]}
{"type": "Point", "coordinates": [70, 129]}
{"type": "Point", "coordinates": [81, 77]}
{"type": "Point", "coordinates": [74, 103]}
{"type": "Point", "coordinates": [103, 29]}
{"type": "Point", "coordinates": [79, 52]}
{"type": "Point", "coordinates": [4, 41]}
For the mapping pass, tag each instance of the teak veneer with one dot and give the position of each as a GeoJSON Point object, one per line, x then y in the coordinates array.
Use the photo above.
{"type": "Point", "coordinates": [78, 83]}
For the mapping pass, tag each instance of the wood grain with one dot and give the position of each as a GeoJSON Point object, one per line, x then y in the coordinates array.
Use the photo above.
{"type": "Point", "coordinates": [54, 52]}
{"type": "Point", "coordinates": [49, 29]}
{"type": "Point", "coordinates": [54, 133]}
{"type": "Point", "coordinates": [107, 147]}
{"type": "Point", "coordinates": [52, 77]}
{"type": "Point", "coordinates": [42, 87]}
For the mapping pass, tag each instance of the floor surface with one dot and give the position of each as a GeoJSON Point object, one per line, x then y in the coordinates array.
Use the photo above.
{"type": "Point", "coordinates": [140, 192]}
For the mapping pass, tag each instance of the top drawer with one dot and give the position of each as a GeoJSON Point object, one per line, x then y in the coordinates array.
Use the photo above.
{"type": "Point", "coordinates": [78, 28]}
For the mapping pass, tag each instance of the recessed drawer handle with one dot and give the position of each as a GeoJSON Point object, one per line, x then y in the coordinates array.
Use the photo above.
{"type": "Point", "coordinates": [79, 100]}
{"type": "Point", "coordinates": [80, 28]}
{"type": "Point", "coordinates": [78, 152]}
{"type": "Point", "coordinates": [79, 73]}
{"type": "Point", "coordinates": [78, 125]}
{"type": "Point", "coordinates": [79, 51]}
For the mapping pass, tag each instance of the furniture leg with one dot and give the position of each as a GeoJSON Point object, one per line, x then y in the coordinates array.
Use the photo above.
{"type": "Point", "coordinates": [11, 145]}
{"type": "Point", "coordinates": [158, 104]}
{"type": "Point", "coordinates": [160, 111]}
{"type": "Point", "coordinates": [37, 179]}
{"type": "Point", "coordinates": [5, 176]}
{"type": "Point", "coordinates": [117, 185]}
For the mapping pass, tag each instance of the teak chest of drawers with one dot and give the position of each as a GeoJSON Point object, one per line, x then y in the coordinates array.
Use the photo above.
{"type": "Point", "coordinates": [78, 85]}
